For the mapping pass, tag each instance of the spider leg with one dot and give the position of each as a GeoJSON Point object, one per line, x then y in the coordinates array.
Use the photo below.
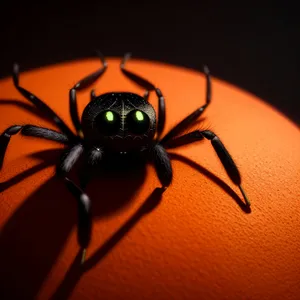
{"type": "Point", "coordinates": [84, 83]}
{"type": "Point", "coordinates": [146, 95]}
{"type": "Point", "coordinates": [148, 86]}
{"type": "Point", "coordinates": [73, 154]}
{"type": "Point", "coordinates": [41, 105]}
{"type": "Point", "coordinates": [84, 216]}
{"type": "Point", "coordinates": [161, 113]}
{"type": "Point", "coordinates": [162, 165]}
{"type": "Point", "coordinates": [69, 159]}
{"type": "Point", "coordinates": [93, 95]}
{"type": "Point", "coordinates": [84, 204]}
{"type": "Point", "coordinates": [74, 112]}
{"type": "Point", "coordinates": [220, 149]}
{"type": "Point", "coordinates": [95, 155]}
{"type": "Point", "coordinates": [190, 119]}
{"type": "Point", "coordinates": [144, 83]}
{"type": "Point", "coordinates": [88, 80]}
{"type": "Point", "coordinates": [29, 130]}
{"type": "Point", "coordinates": [83, 201]}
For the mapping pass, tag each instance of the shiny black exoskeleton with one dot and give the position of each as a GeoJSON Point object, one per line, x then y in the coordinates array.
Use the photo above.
{"type": "Point", "coordinates": [119, 122]}
{"type": "Point", "coordinates": [121, 125]}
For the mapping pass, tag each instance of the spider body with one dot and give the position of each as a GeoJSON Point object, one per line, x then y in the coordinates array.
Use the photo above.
{"type": "Point", "coordinates": [119, 122]}
{"type": "Point", "coordinates": [117, 126]}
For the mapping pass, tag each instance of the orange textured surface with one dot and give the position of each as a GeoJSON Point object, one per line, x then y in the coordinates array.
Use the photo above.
{"type": "Point", "coordinates": [195, 243]}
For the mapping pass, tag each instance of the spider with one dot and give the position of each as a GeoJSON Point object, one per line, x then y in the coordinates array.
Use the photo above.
{"type": "Point", "coordinates": [117, 125]}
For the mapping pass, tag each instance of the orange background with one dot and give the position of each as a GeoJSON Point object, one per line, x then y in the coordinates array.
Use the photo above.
{"type": "Point", "coordinates": [196, 242]}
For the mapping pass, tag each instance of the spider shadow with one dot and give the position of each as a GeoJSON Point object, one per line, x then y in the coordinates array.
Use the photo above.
{"type": "Point", "coordinates": [48, 157]}
{"type": "Point", "coordinates": [33, 237]}
{"type": "Point", "coordinates": [26, 107]}
{"type": "Point", "coordinates": [76, 270]}
{"type": "Point", "coordinates": [28, 244]}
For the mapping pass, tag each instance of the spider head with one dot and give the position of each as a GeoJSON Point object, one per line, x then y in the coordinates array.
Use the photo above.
{"type": "Point", "coordinates": [120, 122]}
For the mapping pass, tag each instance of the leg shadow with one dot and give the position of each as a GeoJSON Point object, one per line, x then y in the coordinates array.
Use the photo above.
{"type": "Point", "coordinates": [34, 235]}
{"type": "Point", "coordinates": [76, 270]}
{"type": "Point", "coordinates": [48, 157]}
{"type": "Point", "coordinates": [32, 239]}
{"type": "Point", "coordinates": [26, 107]}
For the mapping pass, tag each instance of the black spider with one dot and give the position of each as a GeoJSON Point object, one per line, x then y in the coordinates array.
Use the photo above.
{"type": "Point", "coordinates": [117, 125]}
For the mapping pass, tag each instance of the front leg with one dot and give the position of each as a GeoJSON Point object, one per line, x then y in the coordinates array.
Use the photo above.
{"type": "Point", "coordinates": [29, 130]}
{"type": "Point", "coordinates": [162, 164]}
{"type": "Point", "coordinates": [84, 226]}
{"type": "Point", "coordinates": [220, 149]}
{"type": "Point", "coordinates": [42, 106]}
{"type": "Point", "coordinates": [195, 115]}
{"type": "Point", "coordinates": [83, 202]}
{"type": "Point", "coordinates": [69, 159]}
{"type": "Point", "coordinates": [84, 216]}
{"type": "Point", "coordinates": [148, 86]}
{"type": "Point", "coordinates": [84, 83]}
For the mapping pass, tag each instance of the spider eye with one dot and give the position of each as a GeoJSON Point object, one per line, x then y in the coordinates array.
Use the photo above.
{"type": "Point", "coordinates": [108, 122]}
{"type": "Point", "coordinates": [138, 122]}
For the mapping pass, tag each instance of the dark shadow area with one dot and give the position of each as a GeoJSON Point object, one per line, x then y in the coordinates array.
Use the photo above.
{"type": "Point", "coordinates": [76, 270]}
{"type": "Point", "coordinates": [49, 157]}
{"type": "Point", "coordinates": [33, 237]}
{"type": "Point", "coordinates": [21, 176]}
{"type": "Point", "coordinates": [112, 184]}
{"type": "Point", "coordinates": [227, 189]}
{"type": "Point", "coordinates": [26, 107]}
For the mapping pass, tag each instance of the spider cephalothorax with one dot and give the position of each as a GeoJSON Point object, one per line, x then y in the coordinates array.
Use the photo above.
{"type": "Point", "coordinates": [114, 124]}
{"type": "Point", "coordinates": [119, 122]}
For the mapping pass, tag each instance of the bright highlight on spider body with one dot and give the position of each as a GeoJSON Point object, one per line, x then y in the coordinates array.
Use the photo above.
{"type": "Point", "coordinates": [139, 116]}
{"type": "Point", "coordinates": [115, 124]}
{"type": "Point", "coordinates": [109, 116]}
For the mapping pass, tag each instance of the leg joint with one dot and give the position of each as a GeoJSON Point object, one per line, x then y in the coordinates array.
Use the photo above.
{"type": "Point", "coordinates": [208, 134]}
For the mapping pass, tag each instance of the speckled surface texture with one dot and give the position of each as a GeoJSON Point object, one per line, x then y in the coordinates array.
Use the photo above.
{"type": "Point", "coordinates": [195, 242]}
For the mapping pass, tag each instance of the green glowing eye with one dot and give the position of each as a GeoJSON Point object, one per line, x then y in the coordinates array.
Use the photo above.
{"type": "Point", "coordinates": [138, 122]}
{"type": "Point", "coordinates": [139, 115]}
{"type": "Point", "coordinates": [108, 122]}
{"type": "Point", "coordinates": [109, 116]}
